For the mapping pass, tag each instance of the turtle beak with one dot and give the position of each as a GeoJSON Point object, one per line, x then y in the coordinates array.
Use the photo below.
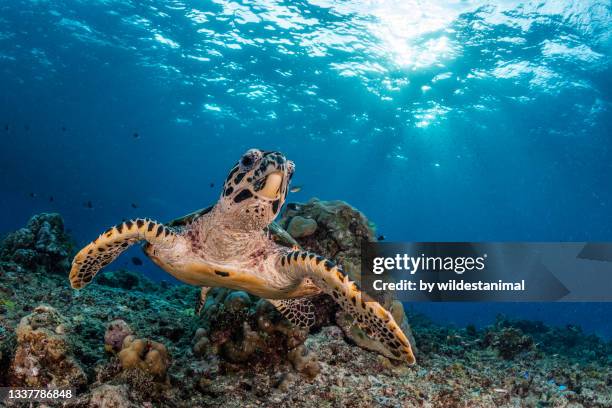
{"type": "Point", "coordinates": [272, 186]}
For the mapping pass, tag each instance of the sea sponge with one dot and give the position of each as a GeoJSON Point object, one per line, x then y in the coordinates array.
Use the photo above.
{"type": "Point", "coordinates": [43, 356]}
{"type": "Point", "coordinates": [146, 355]}
{"type": "Point", "coordinates": [304, 361]}
{"type": "Point", "coordinates": [116, 332]}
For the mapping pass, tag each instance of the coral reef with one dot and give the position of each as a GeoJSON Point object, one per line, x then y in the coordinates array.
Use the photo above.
{"type": "Point", "coordinates": [242, 353]}
{"type": "Point", "coordinates": [42, 244]}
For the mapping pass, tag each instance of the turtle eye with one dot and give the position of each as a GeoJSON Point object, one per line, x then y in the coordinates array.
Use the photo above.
{"type": "Point", "coordinates": [249, 158]}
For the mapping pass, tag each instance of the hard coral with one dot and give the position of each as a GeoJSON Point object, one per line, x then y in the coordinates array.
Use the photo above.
{"type": "Point", "coordinates": [43, 355]}
{"type": "Point", "coordinates": [146, 355]}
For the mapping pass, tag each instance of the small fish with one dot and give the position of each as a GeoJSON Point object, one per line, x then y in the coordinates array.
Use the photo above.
{"type": "Point", "coordinates": [63, 128]}
{"type": "Point", "coordinates": [88, 204]}
{"type": "Point", "coordinates": [212, 185]}
{"type": "Point", "coordinates": [51, 199]}
{"type": "Point", "coordinates": [134, 205]}
{"type": "Point", "coordinates": [526, 374]}
{"type": "Point", "coordinates": [135, 135]}
{"type": "Point", "coordinates": [295, 189]}
{"type": "Point", "coordinates": [381, 238]}
{"type": "Point", "coordinates": [6, 127]}
{"type": "Point", "coordinates": [136, 261]}
{"type": "Point", "coordinates": [32, 195]}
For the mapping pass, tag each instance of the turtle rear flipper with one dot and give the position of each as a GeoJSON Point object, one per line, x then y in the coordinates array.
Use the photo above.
{"type": "Point", "coordinates": [299, 311]}
{"type": "Point", "coordinates": [201, 300]}
{"type": "Point", "coordinates": [104, 249]}
{"type": "Point", "coordinates": [369, 315]}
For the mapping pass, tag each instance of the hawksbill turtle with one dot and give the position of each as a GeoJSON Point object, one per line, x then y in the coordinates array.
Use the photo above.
{"type": "Point", "coordinates": [230, 245]}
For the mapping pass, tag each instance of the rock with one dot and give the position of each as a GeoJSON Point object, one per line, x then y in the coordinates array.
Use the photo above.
{"type": "Point", "coordinates": [300, 227]}
{"type": "Point", "coordinates": [43, 357]}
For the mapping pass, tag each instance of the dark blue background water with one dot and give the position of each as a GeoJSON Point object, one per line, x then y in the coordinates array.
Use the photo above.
{"type": "Point", "coordinates": [440, 120]}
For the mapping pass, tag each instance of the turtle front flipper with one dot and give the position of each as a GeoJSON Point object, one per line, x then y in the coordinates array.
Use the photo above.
{"type": "Point", "coordinates": [369, 315]}
{"type": "Point", "coordinates": [104, 249]}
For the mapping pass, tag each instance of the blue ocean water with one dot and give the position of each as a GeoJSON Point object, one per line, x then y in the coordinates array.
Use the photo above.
{"type": "Point", "coordinates": [440, 120]}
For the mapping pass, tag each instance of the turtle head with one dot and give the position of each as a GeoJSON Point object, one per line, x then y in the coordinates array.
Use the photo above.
{"type": "Point", "coordinates": [255, 189]}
